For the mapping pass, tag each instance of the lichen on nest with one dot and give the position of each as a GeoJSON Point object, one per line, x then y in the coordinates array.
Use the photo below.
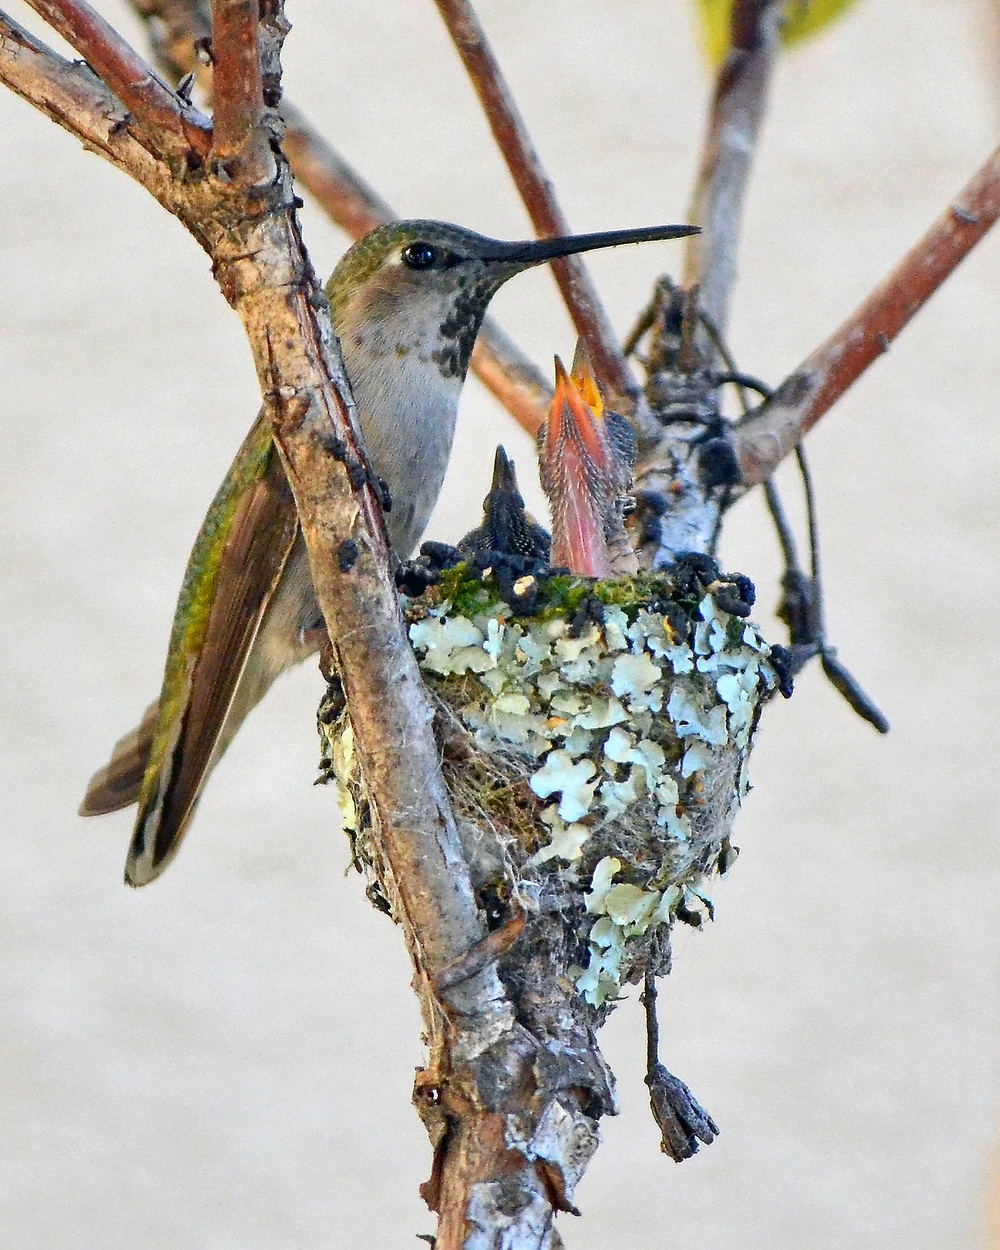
{"type": "Point", "coordinates": [597, 744]}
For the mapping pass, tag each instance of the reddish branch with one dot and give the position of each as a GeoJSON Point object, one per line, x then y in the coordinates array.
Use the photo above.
{"type": "Point", "coordinates": [765, 437]}
{"type": "Point", "coordinates": [735, 119]}
{"type": "Point", "coordinates": [154, 108]}
{"type": "Point", "coordinates": [239, 143]}
{"type": "Point", "coordinates": [503, 368]}
{"type": "Point", "coordinates": [536, 191]}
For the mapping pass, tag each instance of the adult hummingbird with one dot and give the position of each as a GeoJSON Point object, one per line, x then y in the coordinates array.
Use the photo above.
{"type": "Point", "coordinates": [407, 302]}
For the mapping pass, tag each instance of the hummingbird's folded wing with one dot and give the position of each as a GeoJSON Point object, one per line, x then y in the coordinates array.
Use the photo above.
{"type": "Point", "coordinates": [236, 563]}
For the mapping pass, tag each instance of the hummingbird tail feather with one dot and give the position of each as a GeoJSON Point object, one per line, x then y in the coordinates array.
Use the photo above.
{"type": "Point", "coordinates": [117, 784]}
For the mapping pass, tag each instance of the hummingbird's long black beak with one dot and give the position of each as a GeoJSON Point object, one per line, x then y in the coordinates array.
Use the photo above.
{"type": "Point", "coordinates": [536, 251]}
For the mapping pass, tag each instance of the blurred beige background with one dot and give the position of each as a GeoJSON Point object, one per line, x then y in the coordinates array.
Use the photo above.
{"type": "Point", "coordinates": [224, 1060]}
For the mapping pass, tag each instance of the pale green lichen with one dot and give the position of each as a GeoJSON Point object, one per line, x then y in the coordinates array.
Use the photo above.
{"type": "Point", "coordinates": [566, 842]}
{"type": "Point", "coordinates": [624, 911]}
{"type": "Point", "coordinates": [344, 763]}
{"type": "Point", "coordinates": [560, 774]}
{"type": "Point", "coordinates": [626, 725]}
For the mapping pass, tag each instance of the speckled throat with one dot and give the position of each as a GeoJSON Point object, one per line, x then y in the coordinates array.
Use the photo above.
{"type": "Point", "coordinates": [458, 329]}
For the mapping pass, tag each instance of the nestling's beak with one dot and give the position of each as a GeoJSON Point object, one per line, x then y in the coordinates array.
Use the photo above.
{"type": "Point", "coordinates": [504, 474]}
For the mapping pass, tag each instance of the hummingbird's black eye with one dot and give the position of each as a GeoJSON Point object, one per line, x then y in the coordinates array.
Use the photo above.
{"type": "Point", "coordinates": [420, 256]}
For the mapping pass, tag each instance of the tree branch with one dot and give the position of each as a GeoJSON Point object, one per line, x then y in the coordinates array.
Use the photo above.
{"type": "Point", "coordinates": [513, 379]}
{"type": "Point", "coordinates": [174, 128]}
{"type": "Point", "coordinates": [390, 713]}
{"type": "Point", "coordinates": [734, 123]}
{"type": "Point", "coordinates": [70, 94]}
{"type": "Point", "coordinates": [536, 190]}
{"type": "Point", "coordinates": [767, 435]}
{"type": "Point", "coordinates": [239, 143]}
{"type": "Point", "coordinates": [680, 505]}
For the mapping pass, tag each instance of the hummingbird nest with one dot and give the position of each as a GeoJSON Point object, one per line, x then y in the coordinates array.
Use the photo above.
{"type": "Point", "coordinates": [594, 740]}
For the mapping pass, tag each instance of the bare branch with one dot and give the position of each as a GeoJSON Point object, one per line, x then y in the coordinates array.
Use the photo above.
{"type": "Point", "coordinates": [70, 94]}
{"type": "Point", "coordinates": [735, 119]}
{"type": "Point", "coordinates": [535, 189]}
{"type": "Point", "coordinates": [173, 128]}
{"type": "Point", "coordinates": [504, 369]}
{"type": "Point", "coordinates": [764, 438]}
{"type": "Point", "coordinates": [239, 143]}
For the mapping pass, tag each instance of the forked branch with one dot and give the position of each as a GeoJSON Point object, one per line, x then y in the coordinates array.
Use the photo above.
{"type": "Point", "coordinates": [172, 124]}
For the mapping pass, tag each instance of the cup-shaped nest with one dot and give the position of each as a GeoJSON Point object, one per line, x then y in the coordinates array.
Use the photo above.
{"type": "Point", "coordinates": [595, 748]}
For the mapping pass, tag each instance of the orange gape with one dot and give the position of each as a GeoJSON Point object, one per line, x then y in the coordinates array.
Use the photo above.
{"type": "Point", "coordinates": [585, 465]}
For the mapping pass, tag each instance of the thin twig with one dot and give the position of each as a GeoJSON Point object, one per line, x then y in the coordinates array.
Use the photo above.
{"type": "Point", "coordinates": [763, 439]}
{"type": "Point", "coordinates": [652, 1024]}
{"type": "Point", "coordinates": [172, 126]}
{"type": "Point", "coordinates": [535, 188]}
{"type": "Point", "coordinates": [737, 112]}
{"type": "Point", "coordinates": [239, 143]}
{"type": "Point", "coordinates": [486, 951]}
{"type": "Point", "coordinates": [513, 379]}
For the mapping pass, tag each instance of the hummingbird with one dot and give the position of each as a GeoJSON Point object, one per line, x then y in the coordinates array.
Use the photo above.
{"type": "Point", "coordinates": [508, 530]}
{"type": "Point", "coordinates": [586, 454]}
{"type": "Point", "coordinates": [509, 544]}
{"type": "Point", "coordinates": [407, 302]}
